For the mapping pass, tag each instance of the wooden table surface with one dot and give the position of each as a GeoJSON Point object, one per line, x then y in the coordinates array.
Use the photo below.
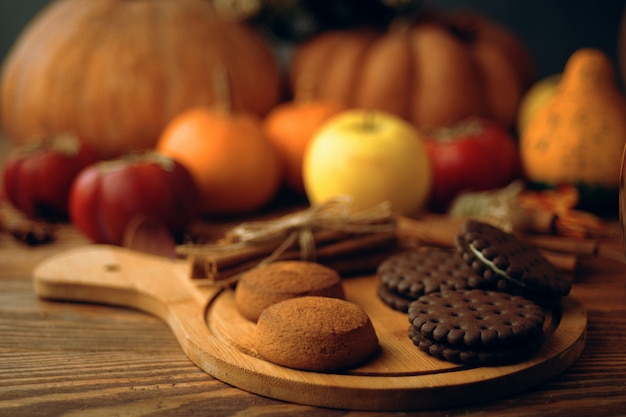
{"type": "Point", "coordinates": [70, 359]}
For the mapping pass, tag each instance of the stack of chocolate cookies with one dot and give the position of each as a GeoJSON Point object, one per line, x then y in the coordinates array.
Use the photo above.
{"type": "Point", "coordinates": [479, 304]}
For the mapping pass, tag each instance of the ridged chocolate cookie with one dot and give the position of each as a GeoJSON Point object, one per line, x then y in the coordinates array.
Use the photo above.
{"type": "Point", "coordinates": [509, 264]}
{"type": "Point", "coordinates": [476, 327]}
{"type": "Point", "coordinates": [408, 275]}
{"type": "Point", "coordinates": [477, 357]}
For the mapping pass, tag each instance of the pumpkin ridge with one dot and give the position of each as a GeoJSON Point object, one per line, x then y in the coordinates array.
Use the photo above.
{"type": "Point", "coordinates": [65, 75]}
{"type": "Point", "coordinates": [322, 62]}
{"type": "Point", "coordinates": [323, 70]}
{"type": "Point", "coordinates": [434, 97]}
{"type": "Point", "coordinates": [160, 14]}
{"type": "Point", "coordinates": [499, 82]}
{"type": "Point", "coordinates": [351, 81]}
{"type": "Point", "coordinates": [357, 81]}
{"type": "Point", "coordinates": [308, 60]}
{"type": "Point", "coordinates": [237, 73]}
{"type": "Point", "coordinates": [402, 27]}
{"type": "Point", "coordinates": [449, 90]}
{"type": "Point", "coordinates": [180, 60]}
{"type": "Point", "coordinates": [386, 68]}
{"type": "Point", "coordinates": [105, 89]}
{"type": "Point", "coordinates": [20, 62]}
{"type": "Point", "coordinates": [413, 106]}
{"type": "Point", "coordinates": [412, 85]}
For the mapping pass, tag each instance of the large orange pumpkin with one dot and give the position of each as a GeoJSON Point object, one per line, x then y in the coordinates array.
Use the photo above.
{"type": "Point", "coordinates": [432, 71]}
{"type": "Point", "coordinates": [117, 71]}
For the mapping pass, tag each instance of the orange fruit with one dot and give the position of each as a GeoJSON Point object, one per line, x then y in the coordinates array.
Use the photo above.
{"type": "Point", "coordinates": [290, 127]}
{"type": "Point", "coordinates": [236, 169]}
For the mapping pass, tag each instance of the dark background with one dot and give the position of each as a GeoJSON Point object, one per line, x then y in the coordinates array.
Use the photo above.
{"type": "Point", "coordinates": [551, 29]}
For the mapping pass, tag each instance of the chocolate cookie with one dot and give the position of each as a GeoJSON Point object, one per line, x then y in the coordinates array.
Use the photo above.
{"type": "Point", "coordinates": [406, 276]}
{"type": "Point", "coordinates": [476, 327]}
{"type": "Point", "coordinates": [509, 264]}
{"type": "Point", "coordinates": [508, 356]}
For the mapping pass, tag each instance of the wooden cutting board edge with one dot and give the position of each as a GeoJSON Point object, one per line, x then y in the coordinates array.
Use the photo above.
{"type": "Point", "coordinates": [454, 387]}
{"type": "Point", "coordinates": [113, 275]}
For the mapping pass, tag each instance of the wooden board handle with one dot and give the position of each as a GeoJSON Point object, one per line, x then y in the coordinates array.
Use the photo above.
{"type": "Point", "coordinates": [116, 276]}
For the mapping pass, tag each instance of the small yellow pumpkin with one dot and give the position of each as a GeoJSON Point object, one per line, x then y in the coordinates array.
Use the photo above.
{"type": "Point", "coordinates": [578, 136]}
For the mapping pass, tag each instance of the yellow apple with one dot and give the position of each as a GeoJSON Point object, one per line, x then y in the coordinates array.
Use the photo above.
{"type": "Point", "coordinates": [371, 156]}
{"type": "Point", "coordinates": [535, 98]}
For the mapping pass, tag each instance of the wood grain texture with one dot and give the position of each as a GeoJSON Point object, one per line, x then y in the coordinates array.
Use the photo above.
{"type": "Point", "coordinates": [400, 377]}
{"type": "Point", "coordinates": [71, 359]}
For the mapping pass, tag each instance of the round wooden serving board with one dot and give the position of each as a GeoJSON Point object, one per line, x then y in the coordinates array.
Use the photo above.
{"type": "Point", "coordinates": [219, 340]}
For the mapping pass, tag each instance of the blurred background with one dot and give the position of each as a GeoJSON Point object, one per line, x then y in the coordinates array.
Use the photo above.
{"type": "Point", "coordinates": [551, 29]}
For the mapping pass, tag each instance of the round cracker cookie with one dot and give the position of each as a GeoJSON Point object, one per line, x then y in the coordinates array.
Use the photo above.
{"type": "Point", "coordinates": [478, 357]}
{"type": "Point", "coordinates": [476, 326]}
{"type": "Point", "coordinates": [406, 276]}
{"type": "Point", "coordinates": [510, 264]}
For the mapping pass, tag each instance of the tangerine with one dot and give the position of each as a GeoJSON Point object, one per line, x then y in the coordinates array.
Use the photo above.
{"type": "Point", "coordinates": [290, 127]}
{"type": "Point", "coordinates": [235, 167]}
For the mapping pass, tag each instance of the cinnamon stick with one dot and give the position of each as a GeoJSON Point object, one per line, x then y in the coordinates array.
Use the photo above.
{"type": "Point", "coordinates": [588, 247]}
{"type": "Point", "coordinates": [234, 257]}
{"type": "Point", "coordinates": [29, 231]}
{"type": "Point", "coordinates": [349, 253]}
{"type": "Point", "coordinates": [359, 263]}
{"type": "Point", "coordinates": [356, 245]}
{"type": "Point", "coordinates": [442, 231]}
{"type": "Point", "coordinates": [562, 261]}
{"type": "Point", "coordinates": [436, 230]}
